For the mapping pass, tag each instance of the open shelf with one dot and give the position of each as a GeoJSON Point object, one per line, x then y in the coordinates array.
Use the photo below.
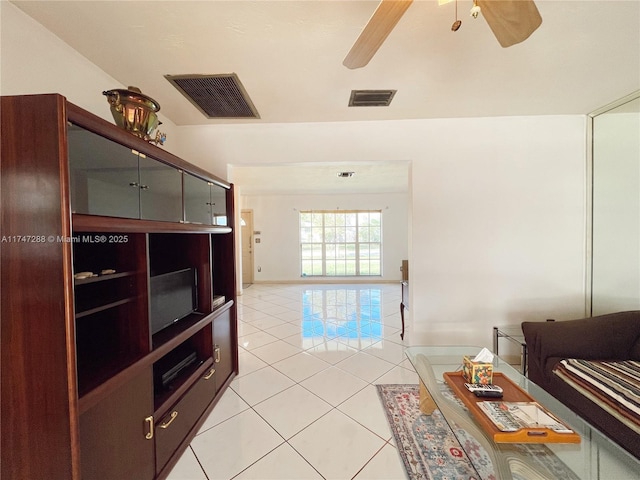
{"type": "Point", "coordinates": [105, 306]}
{"type": "Point", "coordinates": [107, 341]}
{"type": "Point", "coordinates": [94, 296]}
{"type": "Point", "coordinates": [164, 399]}
{"type": "Point", "coordinates": [102, 278]}
{"type": "Point", "coordinates": [177, 368]}
{"type": "Point", "coordinates": [93, 372]}
{"type": "Point", "coordinates": [111, 315]}
{"type": "Point", "coordinates": [175, 330]}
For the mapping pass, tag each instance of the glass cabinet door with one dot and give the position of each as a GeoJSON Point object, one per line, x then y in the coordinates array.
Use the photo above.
{"type": "Point", "coordinates": [197, 200]}
{"type": "Point", "coordinates": [103, 175]}
{"type": "Point", "coordinates": [160, 191]}
{"type": "Point", "coordinates": [219, 204]}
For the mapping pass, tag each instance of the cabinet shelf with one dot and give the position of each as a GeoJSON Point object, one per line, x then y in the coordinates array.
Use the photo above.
{"type": "Point", "coordinates": [102, 278]}
{"type": "Point", "coordinates": [95, 223]}
{"type": "Point", "coordinates": [178, 331]}
{"type": "Point", "coordinates": [106, 306]}
{"type": "Point", "coordinates": [93, 374]}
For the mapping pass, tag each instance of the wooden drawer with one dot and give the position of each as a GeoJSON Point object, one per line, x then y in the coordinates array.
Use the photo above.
{"type": "Point", "coordinates": [173, 428]}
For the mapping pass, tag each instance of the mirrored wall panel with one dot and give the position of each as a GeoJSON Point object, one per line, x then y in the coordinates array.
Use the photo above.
{"type": "Point", "coordinates": [615, 268]}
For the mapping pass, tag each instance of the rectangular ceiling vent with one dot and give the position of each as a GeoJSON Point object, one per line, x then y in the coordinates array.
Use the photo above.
{"type": "Point", "coordinates": [371, 98]}
{"type": "Point", "coordinates": [216, 96]}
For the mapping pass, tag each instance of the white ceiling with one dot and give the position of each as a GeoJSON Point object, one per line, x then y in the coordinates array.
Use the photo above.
{"type": "Point", "coordinates": [288, 55]}
{"type": "Point", "coordinates": [322, 178]}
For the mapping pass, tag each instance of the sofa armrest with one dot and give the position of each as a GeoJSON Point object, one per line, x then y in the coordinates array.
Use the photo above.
{"type": "Point", "coordinates": [605, 337]}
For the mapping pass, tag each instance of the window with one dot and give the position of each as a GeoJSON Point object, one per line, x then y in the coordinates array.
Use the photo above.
{"type": "Point", "coordinates": [341, 243]}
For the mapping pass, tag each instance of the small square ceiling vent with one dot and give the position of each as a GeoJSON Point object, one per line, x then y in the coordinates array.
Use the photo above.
{"type": "Point", "coordinates": [216, 96]}
{"type": "Point", "coordinates": [371, 98]}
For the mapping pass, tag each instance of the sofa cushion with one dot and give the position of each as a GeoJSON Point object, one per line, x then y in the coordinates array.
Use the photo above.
{"type": "Point", "coordinates": [615, 386]}
{"type": "Point", "coordinates": [634, 354]}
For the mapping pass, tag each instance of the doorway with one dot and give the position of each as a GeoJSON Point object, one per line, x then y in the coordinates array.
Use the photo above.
{"type": "Point", "coordinates": [247, 247]}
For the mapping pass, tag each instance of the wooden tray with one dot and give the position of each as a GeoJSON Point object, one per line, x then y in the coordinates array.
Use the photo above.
{"type": "Point", "coordinates": [511, 393]}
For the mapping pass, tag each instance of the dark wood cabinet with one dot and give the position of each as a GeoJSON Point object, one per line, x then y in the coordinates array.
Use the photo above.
{"type": "Point", "coordinates": [91, 371]}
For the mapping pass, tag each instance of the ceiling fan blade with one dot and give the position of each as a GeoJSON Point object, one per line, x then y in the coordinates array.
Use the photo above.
{"type": "Point", "coordinates": [375, 32]}
{"type": "Point", "coordinates": [512, 21]}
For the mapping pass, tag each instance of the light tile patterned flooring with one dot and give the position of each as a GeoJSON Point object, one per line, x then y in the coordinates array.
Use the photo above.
{"type": "Point", "coordinates": [304, 405]}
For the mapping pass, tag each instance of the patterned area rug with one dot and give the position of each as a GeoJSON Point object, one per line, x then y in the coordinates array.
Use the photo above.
{"type": "Point", "coordinates": [431, 450]}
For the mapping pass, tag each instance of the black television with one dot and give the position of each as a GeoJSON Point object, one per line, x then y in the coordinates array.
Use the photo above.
{"type": "Point", "coordinates": [172, 296]}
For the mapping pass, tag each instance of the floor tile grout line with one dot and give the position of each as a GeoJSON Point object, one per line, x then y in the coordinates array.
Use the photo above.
{"type": "Point", "coordinates": [345, 338]}
{"type": "Point", "coordinates": [333, 407]}
{"type": "Point", "coordinates": [299, 383]}
{"type": "Point", "coordinates": [287, 440]}
{"type": "Point", "coordinates": [329, 365]}
{"type": "Point", "coordinates": [369, 461]}
{"type": "Point", "coordinates": [199, 463]}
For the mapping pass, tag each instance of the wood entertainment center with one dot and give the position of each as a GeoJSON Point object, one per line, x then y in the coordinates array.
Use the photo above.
{"type": "Point", "coordinates": [92, 386]}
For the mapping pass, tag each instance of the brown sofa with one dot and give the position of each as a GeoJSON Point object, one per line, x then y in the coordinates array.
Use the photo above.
{"type": "Point", "coordinates": [597, 342]}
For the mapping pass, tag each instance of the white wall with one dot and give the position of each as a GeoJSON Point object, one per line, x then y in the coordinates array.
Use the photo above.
{"type": "Point", "coordinates": [499, 225]}
{"type": "Point", "coordinates": [496, 205]}
{"type": "Point", "coordinates": [497, 209]}
{"type": "Point", "coordinates": [277, 218]}
{"type": "Point", "coordinates": [35, 61]}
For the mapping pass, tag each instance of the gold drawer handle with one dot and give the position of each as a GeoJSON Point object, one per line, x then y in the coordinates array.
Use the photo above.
{"type": "Point", "coordinates": [149, 421]}
{"type": "Point", "coordinates": [173, 416]}
{"type": "Point", "coordinates": [210, 374]}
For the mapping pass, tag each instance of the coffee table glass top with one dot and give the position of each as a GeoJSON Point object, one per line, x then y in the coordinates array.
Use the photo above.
{"type": "Point", "coordinates": [595, 457]}
{"type": "Point", "coordinates": [511, 331]}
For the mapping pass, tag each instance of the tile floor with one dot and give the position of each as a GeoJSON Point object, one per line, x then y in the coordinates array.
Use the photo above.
{"type": "Point", "coordinates": [304, 405]}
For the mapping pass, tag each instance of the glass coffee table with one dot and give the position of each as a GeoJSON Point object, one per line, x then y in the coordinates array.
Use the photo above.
{"type": "Point", "coordinates": [514, 334]}
{"type": "Point", "coordinates": [595, 457]}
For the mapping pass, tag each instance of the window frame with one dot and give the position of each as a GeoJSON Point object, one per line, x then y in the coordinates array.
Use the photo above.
{"type": "Point", "coordinates": [325, 240]}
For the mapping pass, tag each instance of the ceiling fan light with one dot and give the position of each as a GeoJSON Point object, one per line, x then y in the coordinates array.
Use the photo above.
{"type": "Point", "coordinates": [475, 10]}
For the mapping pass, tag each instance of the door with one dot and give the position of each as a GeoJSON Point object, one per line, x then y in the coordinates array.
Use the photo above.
{"type": "Point", "coordinates": [223, 353]}
{"type": "Point", "coordinates": [103, 174]}
{"type": "Point", "coordinates": [197, 200]}
{"type": "Point", "coordinates": [247, 246]}
{"type": "Point", "coordinates": [219, 204]}
{"type": "Point", "coordinates": [160, 191]}
{"type": "Point", "coordinates": [116, 434]}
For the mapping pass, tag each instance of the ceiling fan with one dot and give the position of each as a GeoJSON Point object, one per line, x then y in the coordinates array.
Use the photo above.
{"type": "Point", "coordinates": [512, 21]}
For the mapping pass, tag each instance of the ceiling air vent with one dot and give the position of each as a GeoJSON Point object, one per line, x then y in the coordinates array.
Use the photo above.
{"type": "Point", "coordinates": [216, 96]}
{"type": "Point", "coordinates": [371, 98]}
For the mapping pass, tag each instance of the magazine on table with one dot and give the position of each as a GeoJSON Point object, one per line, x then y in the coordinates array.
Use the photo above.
{"type": "Point", "coordinates": [514, 416]}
